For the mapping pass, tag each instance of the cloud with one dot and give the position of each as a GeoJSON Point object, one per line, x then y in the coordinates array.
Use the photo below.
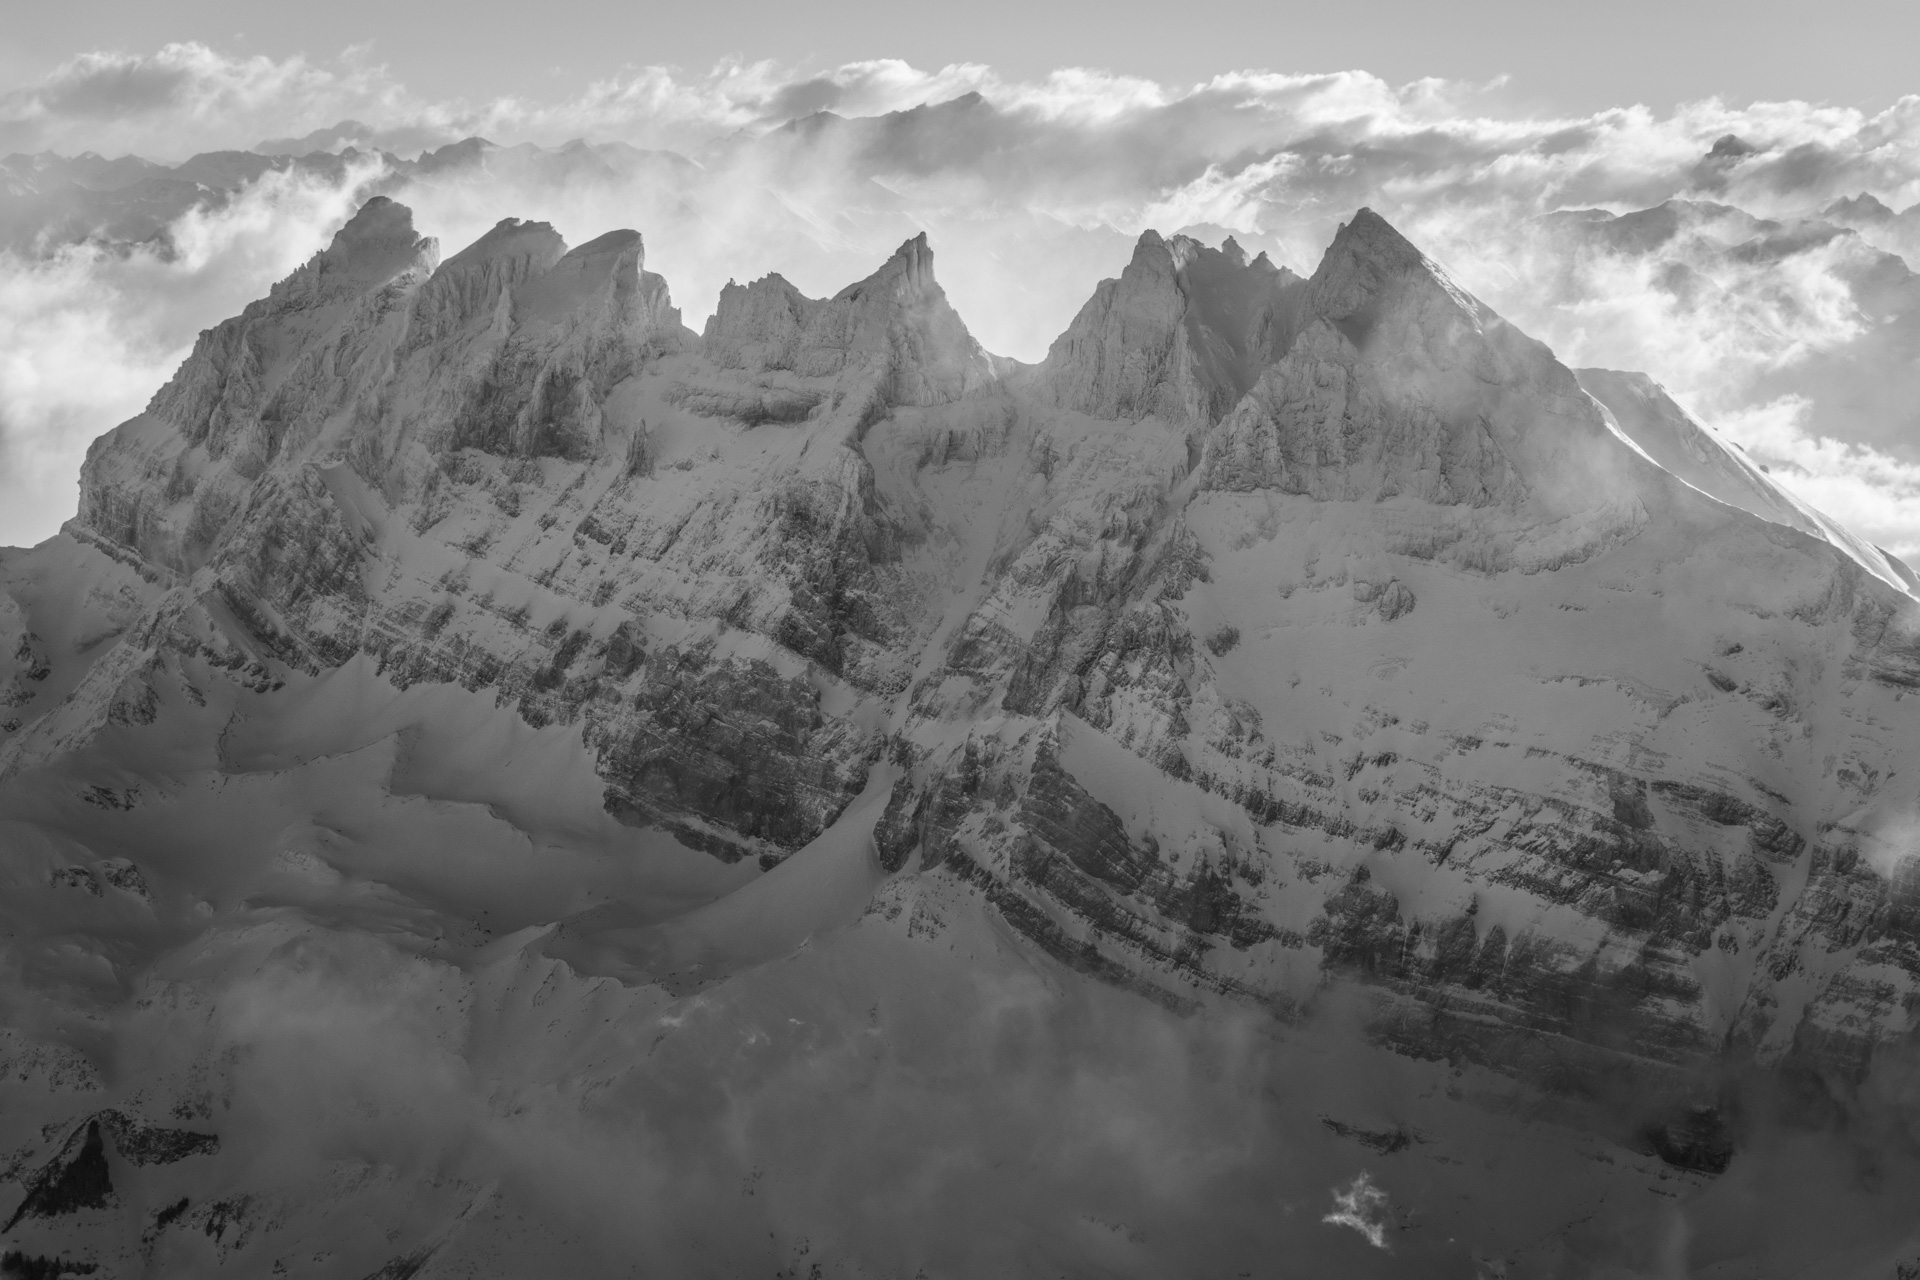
{"type": "Point", "coordinates": [115, 102]}
{"type": "Point", "coordinates": [1032, 190]}
{"type": "Point", "coordinates": [1804, 350]}
{"type": "Point", "coordinates": [1875, 495]}
{"type": "Point", "coordinates": [1057, 132]}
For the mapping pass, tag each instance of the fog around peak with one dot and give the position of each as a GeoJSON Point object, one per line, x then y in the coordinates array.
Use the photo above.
{"type": "Point", "coordinates": [1761, 304]}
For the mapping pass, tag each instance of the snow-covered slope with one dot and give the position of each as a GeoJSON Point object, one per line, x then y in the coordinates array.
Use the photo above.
{"type": "Point", "coordinates": [1679, 442]}
{"type": "Point", "coordinates": [485, 756]}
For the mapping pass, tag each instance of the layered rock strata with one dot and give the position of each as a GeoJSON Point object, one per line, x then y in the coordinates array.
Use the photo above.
{"type": "Point", "coordinates": [1271, 629]}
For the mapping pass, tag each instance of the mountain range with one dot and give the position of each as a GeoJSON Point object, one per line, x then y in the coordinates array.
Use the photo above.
{"type": "Point", "coordinates": [1788, 330]}
{"type": "Point", "coordinates": [495, 782]}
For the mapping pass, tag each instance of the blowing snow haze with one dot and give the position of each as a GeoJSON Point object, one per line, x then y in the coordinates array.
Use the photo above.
{"type": "Point", "coordinates": [890, 673]}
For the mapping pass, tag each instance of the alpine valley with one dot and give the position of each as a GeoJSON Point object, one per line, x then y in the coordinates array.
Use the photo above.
{"type": "Point", "coordinates": [494, 783]}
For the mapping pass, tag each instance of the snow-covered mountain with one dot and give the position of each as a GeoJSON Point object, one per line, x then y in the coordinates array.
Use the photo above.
{"type": "Point", "coordinates": [494, 780]}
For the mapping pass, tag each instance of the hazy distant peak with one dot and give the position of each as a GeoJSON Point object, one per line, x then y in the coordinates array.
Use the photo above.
{"type": "Point", "coordinates": [812, 125]}
{"type": "Point", "coordinates": [464, 152]}
{"type": "Point", "coordinates": [1731, 147]}
{"type": "Point", "coordinates": [329, 138]}
{"type": "Point", "coordinates": [1864, 207]}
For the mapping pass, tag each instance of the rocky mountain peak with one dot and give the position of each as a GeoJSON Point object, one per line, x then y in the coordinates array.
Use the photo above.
{"type": "Point", "coordinates": [1182, 333]}
{"type": "Point", "coordinates": [609, 267]}
{"type": "Point", "coordinates": [247, 379]}
{"type": "Point", "coordinates": [908, 274]}
{"type": "Point", "coordinates": [1369, 268]}
{"type": "Point", "coordinates": [371, 350]}
{"type": "Point", "coordinates": [754, 325]}
{"type": "Point", "coordinates": [378, 243]}
{"type": "Point", "coordinates": [511, 241]}
{"type": "Point", "coordinates": [1399, 382]}
{"type": "Point", "coordinates": [1864, 207]}
{"type": "Point", "coordinates": [897, 324]}
{"type": "Point", "coordinates": [903, 292]}
{"type": "Point", "coordinates": [473, 285]}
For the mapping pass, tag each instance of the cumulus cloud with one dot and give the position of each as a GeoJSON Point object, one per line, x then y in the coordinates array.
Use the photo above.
{"type": "Point", "coordinates": [1877, 495]}
{"type": "Point", "coordinates": [152, 103]}
{"type": "Point", "coordinates": [1032, 190]}
{"type": "Point", "coordinates": [1802, 348]}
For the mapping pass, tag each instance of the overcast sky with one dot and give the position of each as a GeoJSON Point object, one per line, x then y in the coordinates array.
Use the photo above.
{"type": "Point", "coordinates": [1558, 58]}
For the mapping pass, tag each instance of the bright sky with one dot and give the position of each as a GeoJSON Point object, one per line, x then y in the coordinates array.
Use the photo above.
{"type": "Point", "coordinates": [1559, 57]}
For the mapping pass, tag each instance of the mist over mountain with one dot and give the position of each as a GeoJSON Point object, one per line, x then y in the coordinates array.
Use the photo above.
{"type": "Point", "coordinates": [907, 674]}
{"type": "Point", "coordinates": [1795, 345]}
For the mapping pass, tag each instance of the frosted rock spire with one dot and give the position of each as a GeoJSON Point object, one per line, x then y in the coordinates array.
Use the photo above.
{"type": "Point", "coordinates": [1400, 382]}
{"type": "Point", "coordinates": [896, 323]}
{"type": "Point", "coordinates": [1182, 333]}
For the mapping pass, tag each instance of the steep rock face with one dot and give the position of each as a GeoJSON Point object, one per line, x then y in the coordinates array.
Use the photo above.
{"type": "Point", "coordinates": [1182, 333]}
{"type": "Point", "coordinates": [894, 328]}
{"type": "Point", "coordinates": [1272, 630]}
{"type": "Point", "coordinates": [1228, 664]}
{"type": "Point", "coordinates": [513, 346]}
{"type": "Point", "coordinates": [668, 610]}
{"type": "Point", "coordinates": [580, 328]}
{"type": "Point", "coordinates": [166, 481]}
{"type": "Point", "coordinates": [1401, 383]}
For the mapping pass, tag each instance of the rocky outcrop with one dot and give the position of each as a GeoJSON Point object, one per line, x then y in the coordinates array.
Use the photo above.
{"type": "Point", "coordinates": [76, 1178]}
{"type": "Point", "coordinates": [894, 329]}
{"type": "Point", "coordinates": [1183, 334]}
{"type": "Point", "coordinates": [580, 328]}
{"type": "Point", "coordinates": [168, 481]}
{"type": "Point", "coordinates": [1400, 383]}
{"type": "Point", "coordinates": [78, 1175]}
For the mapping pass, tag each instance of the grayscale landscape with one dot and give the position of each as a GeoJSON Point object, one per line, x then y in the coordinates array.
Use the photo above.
{"type": "Point", "coordinates": [929, 675]}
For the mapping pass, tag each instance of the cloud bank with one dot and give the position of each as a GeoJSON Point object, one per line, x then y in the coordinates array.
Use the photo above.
{"type": "Point", "coordinates": [1032, 190]}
